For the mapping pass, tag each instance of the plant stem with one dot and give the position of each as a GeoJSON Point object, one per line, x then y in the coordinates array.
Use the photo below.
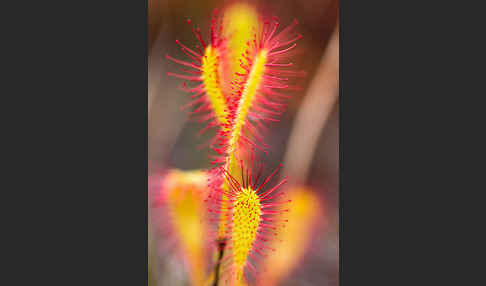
{"type": "Point", "coordinates": [314, 111]}
{"type": "Point", "coordinates": [221, 246]}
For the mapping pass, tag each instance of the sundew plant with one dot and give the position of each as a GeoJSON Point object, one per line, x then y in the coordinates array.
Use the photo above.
{"type": "Point", "coordinates": [229, 222]}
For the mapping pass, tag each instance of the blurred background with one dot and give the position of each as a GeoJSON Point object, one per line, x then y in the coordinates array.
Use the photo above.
{"type": "Point", "coordinates": [305, 141]}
